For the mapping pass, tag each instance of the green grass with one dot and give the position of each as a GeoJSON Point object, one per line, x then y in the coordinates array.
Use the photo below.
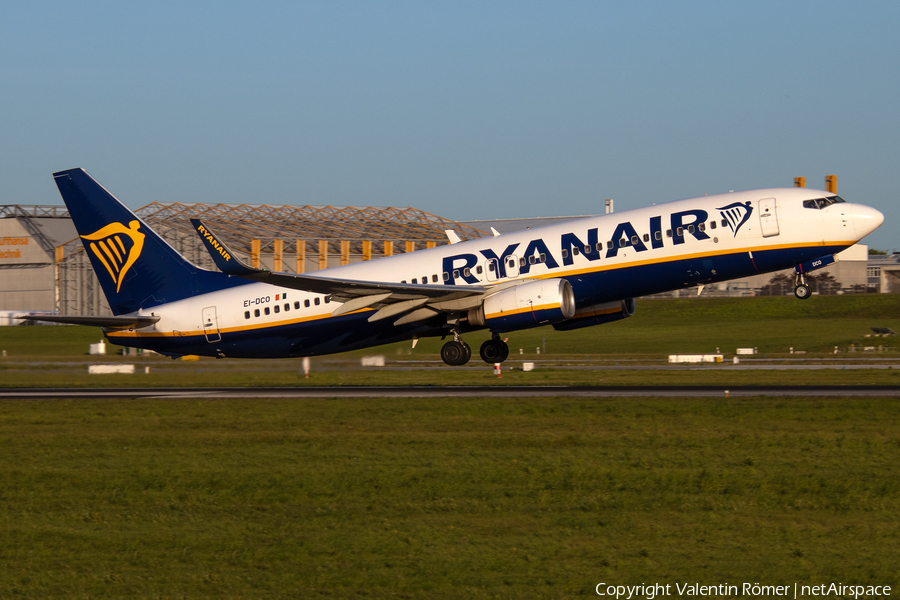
{"type": "Point", "coordinates": [57, 356]}
{"type": "Point", "coordinates": [240, 374]}
{"type": "Point", "coordinates": [448, 498]}
{"type": "Point", "coordinates": [659, 327]}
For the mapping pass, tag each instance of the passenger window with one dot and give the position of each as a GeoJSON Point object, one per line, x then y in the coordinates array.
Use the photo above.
{"type": "Point", "coordinates": [609, 244]}
{"type": "Point", "coordinates": [543, 258]}
{"type": "Point", "coordinates": [266, 310]}
{"type": "Point", "coordinates": [690, 229]}
{"type": "Point", "coordinates": [491, 264]}
{"type": "Point", "coordinates": [297, 304]}
{"type": "Point", "coordinates": [587, 249]}
{"type": "Point", "coordinates": [466, 272]}
{"type": "Point", "coordinates": [701, 227]}
{"type": "Point", "coordinates": [327, 299]}
{"type": "Point", "coordinates": [635, 240]}
{"type": "Point", "coordinates": [646, 237]}
{"type": "Point", "coordinates": [623, 242]}
{"type": "Point", "coordinates": [522, 262]}
{"type": "Point", "coordinates": [256, 313]}
{"type": "Point", "coordinates": [479, 270]}
{"type": "Point", "coordinates": [724, 223]}
{"type": "Point", "coordinates": [277, 309]}
{"type": "Point", "coordinates": [446, 276]}
{"type": "Point", "coordinates": [712, 224]}
{"type": "Point", "coordinates": [680, 232]}
{"type": "Point", "coordinates": [434, 278]}
{"type": "Point", "coordinates": [425, 279]}
{"type": "Point", "coordinates": [574, 251]}
{"type": "Point", "coordinates": [455, 273]}
{"type": "Point", "coordinates": [287, 307]}
{"type": "Point", "coordinates": [415, 280]}
{"type": "Point", "coordinates": [316, 301]}
{"type": "Point", "coordinates": [668, 233]}
{"type": "Point", "coordinates": [246, 314]}
{"type": "Point", "coordinates": [532, 260]}
{"type": "Point", "coordinates": [565, 253]}
{"type": "Point", "coordinates": [306, 303]}
{"type": "Point", "coordinates": [657, 235]}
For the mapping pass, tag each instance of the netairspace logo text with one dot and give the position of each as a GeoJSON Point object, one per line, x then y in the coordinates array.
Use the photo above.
{"type": "Point", "coordinates": [650, 591]}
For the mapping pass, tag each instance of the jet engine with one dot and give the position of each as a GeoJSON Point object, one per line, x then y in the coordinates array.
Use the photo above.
{"type": "Point", "coordinates": [598, 314]}
{"type": "Point", "coordinates": [539, 302]}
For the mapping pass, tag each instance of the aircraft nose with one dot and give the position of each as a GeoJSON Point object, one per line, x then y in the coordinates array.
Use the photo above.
{"type": "Point", "coordinates": [866, 220]}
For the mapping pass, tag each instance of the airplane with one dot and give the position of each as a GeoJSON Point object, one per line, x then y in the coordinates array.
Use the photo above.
{"type": "Point", "coordinates": [569, 275]}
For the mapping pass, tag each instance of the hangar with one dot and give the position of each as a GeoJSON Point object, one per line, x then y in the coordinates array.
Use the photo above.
{"type": "Point", "coordinates": [45, 267]}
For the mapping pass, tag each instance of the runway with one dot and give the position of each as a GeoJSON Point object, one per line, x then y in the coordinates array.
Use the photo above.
{"type": "Point", "coordinates": [498, 391]}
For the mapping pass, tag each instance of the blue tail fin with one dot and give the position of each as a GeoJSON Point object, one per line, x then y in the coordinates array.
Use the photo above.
{"type": "Point", "coordinates": [136, 267]}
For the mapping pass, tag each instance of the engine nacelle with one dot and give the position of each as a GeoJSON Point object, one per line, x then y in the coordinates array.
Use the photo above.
{"type": "Point", "coordinates": [540, 302]}
{"type": "Point", "coordinates": [598, 314]}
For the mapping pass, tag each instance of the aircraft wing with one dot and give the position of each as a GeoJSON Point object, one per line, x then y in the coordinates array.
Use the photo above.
{"type": "Point", "coordinates": [390, 298]}
{"type": "Point", "coordinates": [122, 322]}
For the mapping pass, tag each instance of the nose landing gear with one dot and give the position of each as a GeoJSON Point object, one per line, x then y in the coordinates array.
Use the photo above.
{"type": "Point", "coordinates": [801, 289]}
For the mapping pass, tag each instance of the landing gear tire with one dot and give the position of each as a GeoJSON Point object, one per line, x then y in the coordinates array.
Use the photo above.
{"type": "Point", "coordinates": [802, 291]}
{"type": "Point", "coordinates": [494, 351]}
{"type": "Point", "coordinates": [468, 351]}
{"type": "Point", "coordinates": [456, 353]}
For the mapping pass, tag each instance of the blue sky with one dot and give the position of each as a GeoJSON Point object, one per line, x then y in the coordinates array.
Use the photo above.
{"type": "Point", "coordinates": [469, 110]}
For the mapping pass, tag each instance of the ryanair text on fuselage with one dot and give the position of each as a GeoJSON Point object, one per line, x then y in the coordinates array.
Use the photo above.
{"type": "Point", "coordinates": [625, 235]}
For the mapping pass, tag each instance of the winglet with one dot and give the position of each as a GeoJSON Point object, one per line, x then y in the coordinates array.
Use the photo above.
{"type": "Point", "coordinates": [223, 257]}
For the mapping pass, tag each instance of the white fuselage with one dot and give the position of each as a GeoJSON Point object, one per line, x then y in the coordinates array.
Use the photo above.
{"type": "Point", "coordinates": [609, 257]}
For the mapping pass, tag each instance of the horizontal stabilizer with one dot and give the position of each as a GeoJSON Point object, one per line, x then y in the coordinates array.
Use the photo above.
{"type": "Point", "coordinates": [123, 322]}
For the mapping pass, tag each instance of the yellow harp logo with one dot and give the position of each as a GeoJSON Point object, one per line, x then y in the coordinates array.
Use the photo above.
{"type": "Point", "coordinates": [107, 245]}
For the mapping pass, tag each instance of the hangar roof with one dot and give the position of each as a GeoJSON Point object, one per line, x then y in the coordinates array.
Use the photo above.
{"type": "Point", "coordinates": [236, 224]}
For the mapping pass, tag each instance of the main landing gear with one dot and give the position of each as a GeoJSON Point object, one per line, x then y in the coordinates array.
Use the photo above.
{"type": "Point", "coordinates": [801, 289]}
{"type": "Point", "coordinates": [457, 352]}
{"type": "Point", "coordinates": [494, 350]}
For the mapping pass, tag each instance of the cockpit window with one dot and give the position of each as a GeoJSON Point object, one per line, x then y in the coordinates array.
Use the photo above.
{"type": "Point", "coordinates": [820, 203]}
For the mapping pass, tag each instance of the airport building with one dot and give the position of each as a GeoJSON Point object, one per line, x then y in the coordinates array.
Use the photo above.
{"type": "Point", "coordinates": [29, 239]}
